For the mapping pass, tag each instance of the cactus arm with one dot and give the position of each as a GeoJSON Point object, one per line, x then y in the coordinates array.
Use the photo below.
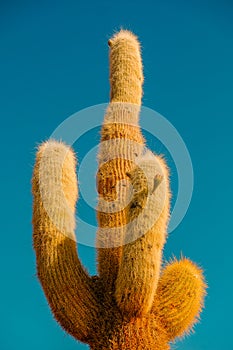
{"type": "Point", "coordinates": [121, 142]}
{"type": "Point", "coordinates": [145, 236]}
{"type": "Point", "coordinates": [179, 298]}
{"type": "Point", "coordinates": [66, 284]}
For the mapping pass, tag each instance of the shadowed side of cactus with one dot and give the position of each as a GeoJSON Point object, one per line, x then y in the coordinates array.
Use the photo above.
{"type": "Point", "coordinates": [131, 304]}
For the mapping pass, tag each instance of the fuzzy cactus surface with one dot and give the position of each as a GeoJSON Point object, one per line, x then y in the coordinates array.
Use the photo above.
{"type": "Point", "coordinates": [134, 302]}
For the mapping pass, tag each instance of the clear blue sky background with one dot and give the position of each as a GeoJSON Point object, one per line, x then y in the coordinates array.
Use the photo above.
{"type": "Point", "coordinates": [54, 62]}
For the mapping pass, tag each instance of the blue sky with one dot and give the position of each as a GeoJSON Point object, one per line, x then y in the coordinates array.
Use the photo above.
{"type": "Point", "coordinates": [53, 63]}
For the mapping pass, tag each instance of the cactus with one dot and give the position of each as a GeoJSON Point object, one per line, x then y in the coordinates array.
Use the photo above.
{"type": "Point", "coordinates": [133, 303]}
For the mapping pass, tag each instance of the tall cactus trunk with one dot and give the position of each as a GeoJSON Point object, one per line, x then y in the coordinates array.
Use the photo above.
{"type": "Point", "coordinates": [121, 143]}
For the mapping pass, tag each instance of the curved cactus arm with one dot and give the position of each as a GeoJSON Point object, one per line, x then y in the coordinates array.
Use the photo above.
{"type": "Point", "coordinates": [179, 298]}
{"type": "Point", "coordinates": [66, 284]}
{"type": "Point", "coordinates": [121, 142]}
{"type": "Point", "coordinates": [145, 236]}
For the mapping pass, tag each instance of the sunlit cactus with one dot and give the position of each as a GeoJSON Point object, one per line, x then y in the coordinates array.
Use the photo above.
{"type": "Point", "coordinates": [133, 303]}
